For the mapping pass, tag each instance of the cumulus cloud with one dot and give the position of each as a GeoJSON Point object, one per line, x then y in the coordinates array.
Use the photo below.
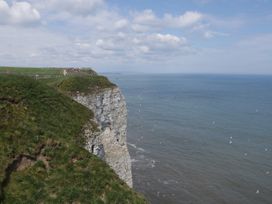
{"type": "Point", "coordinates": [18, 13]}
{"type": "Point", "coordinates": [87, 32]}
{"type": "Point", "coordinates": [122, 23]}
{"type": "Point", "coordinates": [157, 47]}
{"type": "Point", "coordinates": [172, 39]}
{"type": "Point", "coordinates": [74, 7]}
{"type": "Point", "coordinates": [164, 43]}
{"type": "Point", "coordinates": [108, 44]}
{"type": "Point", "coordinates": [146, 17]}
{"type": "Point", "coordinates": [189, 18]}
{"type": "Point", "coordinates": [134, 47]}
{"type": "Point", "coordinates": [147, 20]}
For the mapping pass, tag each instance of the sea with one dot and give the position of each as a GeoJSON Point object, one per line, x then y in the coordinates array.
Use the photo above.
{"type": "Point", "coordinates": [200, 139]}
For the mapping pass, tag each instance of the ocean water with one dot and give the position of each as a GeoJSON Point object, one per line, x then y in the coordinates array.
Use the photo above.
{"type": "Point", "coordinates": [200, 138]}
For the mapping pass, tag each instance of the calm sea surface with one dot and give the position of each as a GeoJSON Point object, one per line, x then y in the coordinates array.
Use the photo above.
{"type": "Point", "coordinates": [200, 138]}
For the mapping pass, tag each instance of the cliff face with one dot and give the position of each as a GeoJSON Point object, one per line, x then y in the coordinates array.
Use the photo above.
{"type": "Point", "coordinates": [42, 145]}
{"type": "Point", "coordinates": [109, 143]}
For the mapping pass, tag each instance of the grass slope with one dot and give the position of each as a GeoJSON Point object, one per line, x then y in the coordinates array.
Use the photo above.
{"type": "Point", "coordinates": [41, 154]}
{"type": "Point", "coordinates": [77, 80]}
{"type": "Point", "coordinates": [84, 84]}
{"type": "Point", "coordinates": [43, 72]}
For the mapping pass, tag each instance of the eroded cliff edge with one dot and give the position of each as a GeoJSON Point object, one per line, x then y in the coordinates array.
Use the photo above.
{"type": "Point", "coordinates": [43, 134]}
{"type": "Point", "coordinates": [109, 143]}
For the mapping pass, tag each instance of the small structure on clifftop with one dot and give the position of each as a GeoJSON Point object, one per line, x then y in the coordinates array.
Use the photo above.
{"type": "Point", "coordinates": [70, 71]}
{"type": "Point", "coordinates": [64, 72]}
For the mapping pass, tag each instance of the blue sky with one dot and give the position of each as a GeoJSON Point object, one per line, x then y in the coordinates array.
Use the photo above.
{"type": "Point", "coordinates": [193, 36]}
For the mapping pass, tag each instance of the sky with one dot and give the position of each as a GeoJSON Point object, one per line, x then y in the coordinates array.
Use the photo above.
{"type": "Point", "coordinates": [156, 36]}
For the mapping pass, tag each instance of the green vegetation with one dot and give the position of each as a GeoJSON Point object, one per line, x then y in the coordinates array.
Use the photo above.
{"type": "Point", "coordinates": [42, 159]}
{"type": "Point", "coordinates": [83, 80]}
{"type": "Point", "coordinates": [43, 72]}
{"type": "Point", "coordinates": [84, 84]}
{"type": "Point", "coordinates": [32, 71]}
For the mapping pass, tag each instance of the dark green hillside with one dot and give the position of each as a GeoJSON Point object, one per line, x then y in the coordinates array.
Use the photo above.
{"type": "Point", "coordinates": [41, 154]}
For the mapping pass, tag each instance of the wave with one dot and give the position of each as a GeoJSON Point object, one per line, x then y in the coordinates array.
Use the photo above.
{"type": "Point", "coordinates": [137, 148]}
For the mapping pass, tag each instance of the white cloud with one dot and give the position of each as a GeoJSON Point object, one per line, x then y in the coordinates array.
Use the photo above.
{"type": "Point", "coordinates": [74, 7]}
{"type": "Point", "coordinates": [105, 44]}
{"type": "Point", "coordinates": [134, 47]}
{"type": "Point", "coordinates": [211, 34]}
{"type": "Point", "coordinates": [165, 44]}
{"type": "Point", "coordinates": [141, 28]}
{"type": "Point", "coordinates": [158, 47]}
{"type": "Point", "coordinates": [82, 45]}
{"type": "Point", "coordinates": [101, 23]}
{"type": "Point", "coordinates": [18, 13]}
{"type": "Point", "coordinates": [144, 49]}
{"type": "Point", "coordinates": [146, 17]}
{"type": "Point", "coordinates": [169, 39]}
{"type": "Point", "coordinates": [136, 40]}
{"type": "Point", "coordinates": [122, 23]}
{"type": "Point", "coordinates": [115, 43]}
{"type": "Point", "coordinates": [89, 33]}
{"type": "Point", "coordinates": [208, 34]}
{"type": "Point", "coordinates": [147, 20]}
{"type": "Point", "coordinates": [189, 18]}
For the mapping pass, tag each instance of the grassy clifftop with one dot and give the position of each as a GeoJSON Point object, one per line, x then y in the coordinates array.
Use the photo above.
{"type": "Point", "coordinates": [41, 154]}
{"type": "Point", "coordinates": [69, 80]}
{"type": "Point", "coordinates": [46, 72]}
{"type": "Point", "coordinates": [84, 84]}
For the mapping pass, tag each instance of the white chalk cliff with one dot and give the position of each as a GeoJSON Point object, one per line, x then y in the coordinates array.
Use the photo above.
{"type": "Point", "coordinates": [109, 143]}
